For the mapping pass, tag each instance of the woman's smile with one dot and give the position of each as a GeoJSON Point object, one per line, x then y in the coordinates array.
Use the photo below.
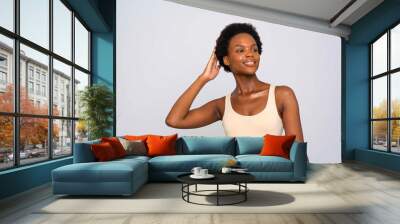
{"type": "Point", "coordinates": [250, 63]}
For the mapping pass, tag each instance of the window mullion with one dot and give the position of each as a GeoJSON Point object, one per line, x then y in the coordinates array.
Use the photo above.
{"type": "Point", "coordinates": [50, 87]}
{"type": "Point", "coordinates": [389, 76]}
{"type": "Point", "coordinates": [16, 84]}
{"type": "Point", "coordinates": [73, 82]}
{"type": "Point", "coordinates": [371, 145]}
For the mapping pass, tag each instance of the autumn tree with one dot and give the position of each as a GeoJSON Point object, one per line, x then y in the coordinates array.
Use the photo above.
{"type": "Point", "coordinates": [380, 127]}
{"type": "Point", "coordinates": [33, 131]}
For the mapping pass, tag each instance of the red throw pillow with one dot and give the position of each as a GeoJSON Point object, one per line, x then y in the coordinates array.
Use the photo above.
{"type": "Point", "coordinates": [103, 151]}
{"type": "Point", "coordinates": [161, 145]}
{"type": "Point", "coordinates": [116, 145]}
{"type": "Point", "coordinates": [277, 145]}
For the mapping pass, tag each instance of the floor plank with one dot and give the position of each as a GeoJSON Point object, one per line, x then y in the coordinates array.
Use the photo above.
{"type": "Point", "coordinates": [377, 190]}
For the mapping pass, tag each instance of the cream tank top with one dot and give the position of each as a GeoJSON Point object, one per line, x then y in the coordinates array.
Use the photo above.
{"type": "Point", "coordinates": [267, 121]}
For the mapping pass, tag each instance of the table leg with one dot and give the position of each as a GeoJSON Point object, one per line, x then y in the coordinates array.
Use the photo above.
{"type": "Point", "coordinates": [217, 194]}
{"type": "Point", "coordinates": [245, 191]}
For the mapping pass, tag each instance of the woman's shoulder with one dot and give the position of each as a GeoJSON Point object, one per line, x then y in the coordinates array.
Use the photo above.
{"type": "Point", "coordinates": [284, 95]}
{"type": "Point", "coordinates": [284, 91]}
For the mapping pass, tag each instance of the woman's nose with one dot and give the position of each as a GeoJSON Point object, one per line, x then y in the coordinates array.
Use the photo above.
{"type": "Point", "coordinates": [249, 53]}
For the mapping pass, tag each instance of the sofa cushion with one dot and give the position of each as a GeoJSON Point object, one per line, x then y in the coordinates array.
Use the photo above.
{"type": "Point", "coordinates": [134, 147]}
{"type": "Point", "coordinates": [111, 171]}
{"type": "Point", "coordinates": [275, 145]}
{"type": "Point", "coordinates": [249, 145]}
{"type": "Point", "coordinates": [159, 145]}
{"type": "Point", "coordinates": [195, 145]}
{"type": "Point", "coordinates": [185, 163]}
{"type": "Point", "coordinates": [257, 163]}
{"type": "Point", "coordinates": [116, 145]}
{"type": "Point", "coordinates": [133, 158]}
{"type": "Point", "coordinates": [103, 151]}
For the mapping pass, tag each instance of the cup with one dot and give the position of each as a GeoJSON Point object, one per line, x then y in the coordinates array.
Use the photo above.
{"type": "Point", "coordinates": [203, 172]}
{"type": "Point", "coordinates": [226, 170]}
{"type": "Point", "coordinates": [196, 170]}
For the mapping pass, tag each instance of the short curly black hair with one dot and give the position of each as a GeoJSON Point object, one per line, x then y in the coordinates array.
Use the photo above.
{"type": "Point", "coordinates": [222, 43]}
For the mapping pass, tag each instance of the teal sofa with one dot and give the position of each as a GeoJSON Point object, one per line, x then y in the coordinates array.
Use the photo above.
{"type": "Point", "coordinates": [125, 176]}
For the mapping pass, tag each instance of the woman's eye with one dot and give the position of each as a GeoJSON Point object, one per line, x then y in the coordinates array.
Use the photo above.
{"type": "Point", "coordinates": [255, 50]}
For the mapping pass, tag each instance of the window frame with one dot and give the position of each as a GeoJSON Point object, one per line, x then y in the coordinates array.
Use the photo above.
{"type": "Point", "coordinates": [15, 72]}
{"type": "Point", "coordinates": [388, 74]}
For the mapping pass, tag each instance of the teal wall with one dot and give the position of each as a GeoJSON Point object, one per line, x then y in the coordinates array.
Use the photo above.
{"type": "Point", "coordinates": [24, 178]}
{"type": "Point", "coordinates": [103, 52]}
{"type": "Point", "coordinates": [103, 64]}
{"type": "Point", "coordinates": [356, 85]}
{"type": "Point", "coordinates": [99, 15]}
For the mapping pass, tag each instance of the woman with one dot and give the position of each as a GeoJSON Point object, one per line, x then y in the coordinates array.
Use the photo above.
{"type": "Point", "coordinates": [254, 108]}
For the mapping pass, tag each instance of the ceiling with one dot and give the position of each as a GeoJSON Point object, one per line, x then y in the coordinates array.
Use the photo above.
{"type": "Point", "coordinates": [326, 16]}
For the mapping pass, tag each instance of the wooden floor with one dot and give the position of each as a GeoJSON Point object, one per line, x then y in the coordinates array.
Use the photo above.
{"type": "Point", "coordinates": [378, 188]}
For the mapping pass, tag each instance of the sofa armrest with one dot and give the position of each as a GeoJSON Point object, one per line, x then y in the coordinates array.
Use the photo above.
{"type": "Point", "coordinates": [83, 152]}
{"type": "Point", "coordinates": [298, 155]}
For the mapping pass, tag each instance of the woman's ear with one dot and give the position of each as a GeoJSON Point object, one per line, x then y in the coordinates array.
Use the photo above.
{"type": "Point", "coordinates": [226, 60]}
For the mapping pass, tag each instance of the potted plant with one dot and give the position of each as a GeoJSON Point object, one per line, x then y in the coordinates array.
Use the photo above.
{"type": "Point", "coordinates": [96, 102]}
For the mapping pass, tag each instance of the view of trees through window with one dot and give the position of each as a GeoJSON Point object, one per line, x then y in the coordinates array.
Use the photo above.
{"type": "Point", "coordinates": [39, 113]}
{"type": "Point", "coordinates": [385, 91]}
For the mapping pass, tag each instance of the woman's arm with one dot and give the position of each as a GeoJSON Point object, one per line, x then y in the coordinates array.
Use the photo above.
{"type": "Point", "coordinates": [181, 116]}
{"type": "Point", "coordinates": [290, 112]}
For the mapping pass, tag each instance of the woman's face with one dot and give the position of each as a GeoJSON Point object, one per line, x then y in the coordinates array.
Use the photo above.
{"type": "Point", "coordinates": [243, 56]}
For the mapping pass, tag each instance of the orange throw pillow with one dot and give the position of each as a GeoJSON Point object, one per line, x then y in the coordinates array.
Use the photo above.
{"type": "Point", "coordinates": [161, 145]}
{"type": "Point", "coordinates": [103, 151]}
{"type": "Point", "coordinates": [277, 145]}
{"type": "Point", "coordinates": [116, 145]}
{"type": "Point", "coordinates": [136, 137]}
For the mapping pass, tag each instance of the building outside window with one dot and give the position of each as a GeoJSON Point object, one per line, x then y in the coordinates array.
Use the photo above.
{"type": "Point", "coordinates": [34, 75]}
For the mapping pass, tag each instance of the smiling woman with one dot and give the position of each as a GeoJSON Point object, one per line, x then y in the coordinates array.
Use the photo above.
{"type": "Point", "coordinates": [253, 108]}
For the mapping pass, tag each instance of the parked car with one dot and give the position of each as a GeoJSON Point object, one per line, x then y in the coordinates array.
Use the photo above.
{"type": "Point", "coordinates": [22, 155]}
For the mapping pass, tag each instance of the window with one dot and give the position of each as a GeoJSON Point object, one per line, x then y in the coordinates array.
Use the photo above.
{"type": "Point", "coordinates": [37, 75]}
{"type": "Point", "coordinates": [3, 61]}
{"type": "Point", "coordinates": [55, 127]}
{"type": "Point", "coordinates": [62, 29]}
{"type": "Point", "coordinates": [62, 74]}
{"type": "Point", "coordinates": [81, 45]}
{"type": "Point", "coordinates": [6, 71]}
{"type": "Point", "coordinates": [38, 89]}
{"type": "Point", "coordinates": [30, 72]}
{"type": "Point", "coordinates": [34, 22]}
{"type": "Point", "coordinates": [30, 87]}
{"type": "Point", "coordinates": [3, 72]}
{"type": "Point", "coordinates": [3, 78]}
{"type": "Point", "coordinates": [385, 91]}
{"type": "Point", "coordinates": [43, 90]}
{"type": "Point", "coordinates": [7, 14]}
{"type": "Point", "coordinates": [43, 77]}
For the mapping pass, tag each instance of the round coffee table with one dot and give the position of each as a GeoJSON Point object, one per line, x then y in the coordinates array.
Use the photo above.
{"type": "Point", "coordinates": [238, 179]}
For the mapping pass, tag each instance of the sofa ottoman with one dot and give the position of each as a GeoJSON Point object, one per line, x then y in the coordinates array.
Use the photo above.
{"type": "Point", "coordinates": [118, 177]}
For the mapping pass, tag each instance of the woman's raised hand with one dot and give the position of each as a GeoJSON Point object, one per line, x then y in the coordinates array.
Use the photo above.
{"type": "Point", "coordinates": [212, 69]}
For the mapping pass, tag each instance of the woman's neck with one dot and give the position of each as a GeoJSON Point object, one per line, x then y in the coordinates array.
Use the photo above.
{"type": "Point", "coordinates": [247, 84]}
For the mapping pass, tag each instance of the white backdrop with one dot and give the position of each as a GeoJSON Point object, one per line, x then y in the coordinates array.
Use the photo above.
{"type": "Point", "coordinates": [163, 46]}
